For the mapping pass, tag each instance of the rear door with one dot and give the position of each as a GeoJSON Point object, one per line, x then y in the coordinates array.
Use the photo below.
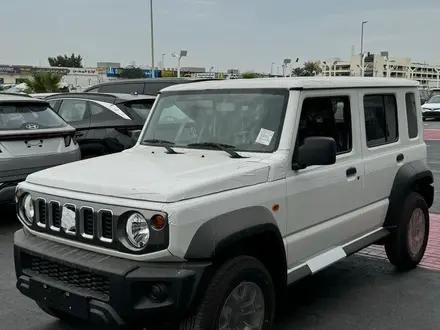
{"type": "Point", "coordinates": [112, 125]}
{"type": "Point", "coordinates": [76, 113]}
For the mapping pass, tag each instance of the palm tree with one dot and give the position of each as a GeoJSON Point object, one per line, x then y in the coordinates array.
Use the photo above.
{"type": "Point", "coordinates": [298, 72]}
{"type": "Point", "coordinates": [312, 68]}
{"type": "Point", "coordinates": [249, 75]}
{"type": "Point", "coordinates": [43, 82]}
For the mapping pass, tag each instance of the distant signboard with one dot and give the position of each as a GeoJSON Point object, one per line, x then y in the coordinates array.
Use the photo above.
{"type": "Point", "coordinates": [157, 73]}
{"type": "Point", "coordinates": [206, 75]}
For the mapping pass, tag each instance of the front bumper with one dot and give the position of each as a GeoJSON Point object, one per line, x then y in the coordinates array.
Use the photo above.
{"type": "Point", "coordinates": [103, 289]}
{"type": "Point", "coordinates": [431, 114]}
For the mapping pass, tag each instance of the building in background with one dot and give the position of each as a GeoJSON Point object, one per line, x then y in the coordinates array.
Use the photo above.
{"type": "Point", "coordinates": [382, 65]}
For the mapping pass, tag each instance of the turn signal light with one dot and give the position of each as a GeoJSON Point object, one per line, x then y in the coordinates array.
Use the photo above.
{"type": "Point", "coordinates": [158, 222]}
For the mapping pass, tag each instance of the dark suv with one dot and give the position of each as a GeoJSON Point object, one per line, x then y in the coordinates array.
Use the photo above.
{"type": "Point", "coordinates": [140, 86]}
{"type": "Point", "coordinates": [105, 123]}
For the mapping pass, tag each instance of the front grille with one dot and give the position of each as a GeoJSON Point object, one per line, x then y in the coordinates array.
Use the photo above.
{"type": "Point", "coordinates": [87, 223]}
{"type": "Point", "coordinates": [70, 276]}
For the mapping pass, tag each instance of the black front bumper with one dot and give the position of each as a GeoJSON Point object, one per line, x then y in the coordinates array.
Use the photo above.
{"type": "Point", "coordinates": [104, 289]}
{"type": "Point", "coordinates": [431, 114]}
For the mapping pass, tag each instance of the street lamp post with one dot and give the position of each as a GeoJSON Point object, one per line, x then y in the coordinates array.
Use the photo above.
{"type": "Point", "coordinates": [271, 68]}
{"type": "Point", "coordinates": [152, 38]}
{"type": "Point", "coordinates": [286, 63]}
{"type": "Point", "coordinates": [163, 61]}
{"type": "Point", "coordinates": [362, 36]}
{"type": "Point", "coordinates": [296, 61]}
{"type": "Point", "coordinates": [183, 53]}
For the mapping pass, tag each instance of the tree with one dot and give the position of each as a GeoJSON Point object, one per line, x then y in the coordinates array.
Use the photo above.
{"type": "Point", "coordinates": [249, 75]}
{"type": "Point", "coordinates": [72, 61]}
{"type": "Point", "coordinates": [309, 68]}
{"type": "Point", "coordinates": [43, 82]}
{"type": "Point", "coordinates": [131, 73]}
{"type": "Point", "coordinates": [312, 68]}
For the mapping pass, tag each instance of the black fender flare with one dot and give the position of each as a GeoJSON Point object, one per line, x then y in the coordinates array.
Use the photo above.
{"type": "Point", "coordinates": [404, 181]}
{"type": "Point", "coordinates": [229, 228]}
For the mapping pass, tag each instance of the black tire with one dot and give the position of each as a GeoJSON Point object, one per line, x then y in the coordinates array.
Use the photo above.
{"type": "Point", "coordinates": [225, 280]}
{"type": "Point", "coordinates": [397, 246]}
{"type": "Point", "coordinates": [95, 151]}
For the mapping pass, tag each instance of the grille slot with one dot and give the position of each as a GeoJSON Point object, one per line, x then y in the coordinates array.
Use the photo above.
{"type": "Point", "coordinates": [70, 276]}
{"type": "Point", "coordinates": [87, 218]}
{"type": "Point", "coordinates": [106, 224]}
{"type": "Point", "coordinates": [41, 212]}
{"type": "Point", "coordinates": [72, 229]}
{"type": "Point", "coordinates": [55, 210]}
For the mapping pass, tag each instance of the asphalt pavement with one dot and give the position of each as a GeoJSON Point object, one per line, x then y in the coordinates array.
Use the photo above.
{"type": "Point", "coordinates": [359, 292]}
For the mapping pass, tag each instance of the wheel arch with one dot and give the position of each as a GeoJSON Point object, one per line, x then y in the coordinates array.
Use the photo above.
{"type": "Point", "coordinates": [414, 176]}
{"type": "Point", "coordinates": [252, 231]}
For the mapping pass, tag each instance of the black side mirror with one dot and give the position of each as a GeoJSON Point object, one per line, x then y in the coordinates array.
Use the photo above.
{"type": "Point", "coordinates": [316, 150]}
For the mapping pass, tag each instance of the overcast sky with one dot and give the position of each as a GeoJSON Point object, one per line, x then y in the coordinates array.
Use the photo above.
{"type": "Point", "coordinates": [244, 34]}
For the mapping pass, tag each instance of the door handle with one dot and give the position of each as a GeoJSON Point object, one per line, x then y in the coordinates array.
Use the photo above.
{"type": "Point", "coordinates": [351, 171]}
{"type": "Point", "coordinates": [400, 157]}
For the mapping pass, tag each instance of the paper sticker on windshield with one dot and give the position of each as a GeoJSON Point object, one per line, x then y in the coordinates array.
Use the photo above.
{"type": "Point", "coordinates": [68, 220]}
{"type": "Point", "coordinates": [265, 136]}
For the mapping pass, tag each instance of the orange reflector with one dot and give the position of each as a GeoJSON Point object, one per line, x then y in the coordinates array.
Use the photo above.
{"type": "Point", "coordinates": [275, 207]}
{"type": "Point", "coordinates": [158, 222]}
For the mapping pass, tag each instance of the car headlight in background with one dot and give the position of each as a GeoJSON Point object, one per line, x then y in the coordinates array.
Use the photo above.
{"type": "Point", "coordinates": [137, 230]}
{"type": "Point", "coordinates": [28, 209]}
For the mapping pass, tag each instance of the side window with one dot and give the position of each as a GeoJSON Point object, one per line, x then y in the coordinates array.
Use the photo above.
{"type": "Point", "coordinates": [99, 113]}
{"type": "Point", "coordinates": [123, 88]}
{"type": "Point", "coordinates": [327, 116]}
{"type": "Point", "coordinates": [73, 110]}
{"type": "Point", "coordinates": [381, 125]}
{"type": "Point", "coordinates": [411, 115]}
{"type": "Point", "coordinates": [53, 104]}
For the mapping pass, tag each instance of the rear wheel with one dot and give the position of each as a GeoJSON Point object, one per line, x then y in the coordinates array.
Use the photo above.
{"type": "Point", "coordinates": [407, 245]}
{"type": "Point", "coordinates": [240, 296]}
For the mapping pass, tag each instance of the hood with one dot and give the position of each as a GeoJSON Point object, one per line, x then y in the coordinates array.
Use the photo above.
{"type": "Point", "coordinates": [157, 177]}
{"type": "Point", "coordinates": [431, 106]}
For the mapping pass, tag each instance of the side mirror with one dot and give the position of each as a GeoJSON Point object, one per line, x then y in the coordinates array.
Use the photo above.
{"type": "Point", "coordinates": [317, 150]}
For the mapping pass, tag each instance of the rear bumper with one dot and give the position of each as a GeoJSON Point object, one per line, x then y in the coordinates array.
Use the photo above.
{"type": "Point", "coordinates": [14, 171]}
{"type": "Point", "coordinates": [103, 289]}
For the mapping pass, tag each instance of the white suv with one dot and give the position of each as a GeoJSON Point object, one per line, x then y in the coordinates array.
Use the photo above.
{"type": "Point", "coordinates": [234, 190]}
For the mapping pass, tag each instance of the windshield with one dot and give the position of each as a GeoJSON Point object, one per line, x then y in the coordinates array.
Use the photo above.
{"type": "Point", "coordinates": [28, 116]}
{"type": "Point", "coordinates": [247, 120]}
{"type": "Point", "coordinates": [434, 99]}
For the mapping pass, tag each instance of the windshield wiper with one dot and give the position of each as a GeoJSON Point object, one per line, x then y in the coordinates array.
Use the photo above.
{"type": "Point", "coordinates": [162, 143]}
{"type": "Point", "coordinates": [225, 147]}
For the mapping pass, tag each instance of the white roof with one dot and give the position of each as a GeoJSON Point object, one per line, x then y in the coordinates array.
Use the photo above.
{"type": "Point", "coordinates": [295, 83]}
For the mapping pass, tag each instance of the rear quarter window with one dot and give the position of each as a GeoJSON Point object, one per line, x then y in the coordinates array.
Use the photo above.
{"type": "Point", "coordinates": [28, 116]}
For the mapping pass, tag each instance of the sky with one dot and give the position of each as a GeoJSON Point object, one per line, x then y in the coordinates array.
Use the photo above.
{"type": "Point", "coordinates": [225, 34]}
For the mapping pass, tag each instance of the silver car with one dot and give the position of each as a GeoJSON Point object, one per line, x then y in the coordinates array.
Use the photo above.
{"type": "Point", "coordinates": [32, 137]}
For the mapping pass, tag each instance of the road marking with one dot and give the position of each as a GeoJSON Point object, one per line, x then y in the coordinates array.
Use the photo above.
{"type": "Point", "coordinates": [431, 260]}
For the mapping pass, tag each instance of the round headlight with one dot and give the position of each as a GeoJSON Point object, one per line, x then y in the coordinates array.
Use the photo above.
{"type": "Point", "coordinates": [137, 230]}
{"type": "Point", "coordinates": [28, 208]}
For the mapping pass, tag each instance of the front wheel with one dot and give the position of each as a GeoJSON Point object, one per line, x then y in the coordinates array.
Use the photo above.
{"type": "Point", "coordinates": [407, 245]}
{"type": "Point", "coordinates": [240, 296]}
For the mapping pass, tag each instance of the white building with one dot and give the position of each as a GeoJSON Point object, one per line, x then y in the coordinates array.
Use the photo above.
{"type": "Point", "coordinates": [381, 65]}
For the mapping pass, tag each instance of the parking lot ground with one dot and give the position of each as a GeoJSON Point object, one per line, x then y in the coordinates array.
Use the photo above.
{"type": "Point", "coordinates": [431, 259]}
{"type": "Point", "coordinates": [432, 134]}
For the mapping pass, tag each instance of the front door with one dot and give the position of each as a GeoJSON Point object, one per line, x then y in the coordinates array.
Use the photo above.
{"type": "Point", "coordinates": [325, 203]}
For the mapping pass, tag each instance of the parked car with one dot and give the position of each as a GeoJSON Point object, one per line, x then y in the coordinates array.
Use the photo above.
{"type": "Point", "coordinates": [32, 137]}
{"type": "Point", "coordinates": [140, 86]}
{"type": "Point", "coordinates": [257, 184]}
{"type": "Point", "coordinates": [431, 109]}
{"type": "Point", "coordinates": [105, 123]}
